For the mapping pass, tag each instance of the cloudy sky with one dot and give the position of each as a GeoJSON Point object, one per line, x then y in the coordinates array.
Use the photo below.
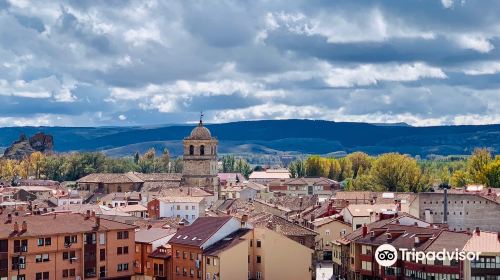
{"type": "Point", "coordinates": [117, 62]}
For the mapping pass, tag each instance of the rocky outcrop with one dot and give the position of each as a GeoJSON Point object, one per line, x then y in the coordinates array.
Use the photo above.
{"type": "Point", "coordinates": [24, 147]}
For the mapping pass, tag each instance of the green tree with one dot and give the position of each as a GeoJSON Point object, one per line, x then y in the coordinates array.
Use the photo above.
{"type": "Point", "coordinates": [397, 173]}
{"type": "Point", "coordinates": [492, 173]}
{"type": "Point", "coordinates": [359, 161]}
{"type": "Point", "coordinates": [476, 165]}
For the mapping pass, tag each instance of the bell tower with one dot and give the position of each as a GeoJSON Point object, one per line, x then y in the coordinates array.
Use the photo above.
{"type": "Point", "coordinates": [200, 159]}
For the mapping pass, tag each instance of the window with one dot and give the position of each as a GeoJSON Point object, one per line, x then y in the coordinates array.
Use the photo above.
{"type": "Point", "coordinates": [125, 250]}
{"type": "Point", "coordinates": [42, 276]}
{"type": "Point", "coordinates": [327, 232]}
{"type": "Point", "coordinates": [193, 207]}
{"type": "Point", "coordinates": [178, 207]}
{"type": "Point", "coordinates": [38, 258]}
{"type": "Point", "coordinates": [193, 217]}
{"type": "Point", "coordinates": [102, 238]}
{"type": "Point", "coordinates": [208, 260]}
{"type": "Point", "coordinates": [42, 258]}
{"type": "Point", "coordinates": [65, 273]}
{"type": "Point", "coordinates": [123, 267]}
{"type": "Point", "coordinates": [208, 276]}
{"type": "Point", "coordinates": [177, 270]}
{"type": "Point", "coordinates": [191, 256]}
{"type": "Point", "coordinates": [69, 239]}
{"type": "Point", "coordinates": [187, 207]}
{"type": "Point", "coordinates": [258, 244]}
{"type": "Point", "coordinates": [191, 150]}
{"type": "Point", "coordinates": [202, 150]}
{"type": "Point", "coordinates": [366, 265]}
{"type": "Point", "coordinates": [259, 275]}
{"type": "Point", "coordinates": [41, 241]}
{"type": "Point", "coordinates": [259, 259]}
{"type": "Point", "coordinates": [191, 272]}
{"type": "Point", "coordinates": [122, 235]}
{"type": "Point", "coordinates": [119, 250]}
{"type": "Point", "coordinates": [102, 254]}
{"type": "Point", "coordinates": [69, 255]}
{"type": "Point", "coordinates": [177, 254]}
{"type": "Point", "coordinates": [215, 261]}
{"type": "Point", "coordinates": [185, 255]}
{"type": "Point", "coordinates": [20, 246]}
{"type": "Point", "coordinates": [251, 243]}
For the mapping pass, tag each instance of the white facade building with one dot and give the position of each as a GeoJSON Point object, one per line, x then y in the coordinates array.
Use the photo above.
{"type": "Point", "coordinates": [187, 207]}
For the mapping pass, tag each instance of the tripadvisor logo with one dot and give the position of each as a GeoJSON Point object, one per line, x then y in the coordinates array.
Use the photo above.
{"type": "Point", "coordinates": [387, 255]}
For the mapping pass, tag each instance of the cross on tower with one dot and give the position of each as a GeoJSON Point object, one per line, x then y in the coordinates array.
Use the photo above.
{"type": "Point", "coordinates": [201, 118]}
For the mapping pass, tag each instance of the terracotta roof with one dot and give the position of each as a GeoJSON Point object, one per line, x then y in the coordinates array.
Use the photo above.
{"type": "Point", "coordinates": [132, 208]}
{"type": "Point", "coordinates": [180, 192]}
{"type": "Point", "coordinates": [226, 243]}
{"type": "Point", "coordinates": [165, 223]}
{"type": "Point", "coordinates": [121, 196]}
{"type": "Point", "coordinates": [270, 174]}
{"type": "Point", "coordinates": [237, 177]}
{"type": "Point", "coordinates": [449, 240]}
{"type": "Point", "coordinates": [364, 210]}
{"type": "Point", "coordinates": [485, 242]}
{"type": "Point", "coordinates": [199, 231]}
{"type": "Point", "coordinates": [280, 225]}
{"type": "Point", "coordinates": [200, 132]}
{"type": "Point", "coordinates": [66, 223]}
{"type": "Point", "coordinates": [182, 199]}
{"type": "Point", "coordinates": [158, 177]}
{"type": "Point", "coordinates": [295, 203]}
{"type": "Point", "coordinates": [110, 178]}
{"type": "Point", "coordinates": [152, 234]}
{"type": "Point", "coordinates": [255, 186]}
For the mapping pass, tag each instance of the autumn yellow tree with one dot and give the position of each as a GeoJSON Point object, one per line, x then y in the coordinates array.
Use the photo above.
{"type": "Point", "coordinates": [397, 173]}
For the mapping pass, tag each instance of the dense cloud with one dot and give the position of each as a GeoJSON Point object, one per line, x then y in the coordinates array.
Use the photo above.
{"type": "Point", "coordinates": [154, 62]}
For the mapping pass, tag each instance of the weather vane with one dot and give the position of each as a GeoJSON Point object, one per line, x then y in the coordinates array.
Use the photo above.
{"type": "Point", "coordinates": [201, 118]}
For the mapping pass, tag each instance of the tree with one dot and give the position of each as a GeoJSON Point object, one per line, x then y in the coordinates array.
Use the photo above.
{"type": "Point", "coordinates": [297, 168]}
{"type": "Point", "coordinates": [165, 160]}
{"type": "Point", "coordinates": [492, 174]}
{"type": "Point", "coordinates": [346, 172]}
{"type": "Point", "coordinates": [314, 167]}
{"type": "Point", "coordinates": [459, 179]}
{"type": "Point", "coordinates": [359, 161]}
{"type": "Point", "coordinates": [476, 165]}
{"type": "Point", "coordinates": [136, 157]}
{"type": "Point", "coordinates": [397, 173]}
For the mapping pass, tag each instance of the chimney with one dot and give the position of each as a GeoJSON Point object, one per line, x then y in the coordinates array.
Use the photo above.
{"type": "Point", "coordinates": [9, 218]}
{"type": "Point", "coordinates": [445, 206]}
{"type": "Point", "coordinates": [398, 207]}
{"type": "Point", "coordinates": [365, 230]}
{"type": "Point", "coordinates": [140, 196]}
{"type": "Point", "coordinates": [16, 227]}
{"type": "Point", "coordinates": [478, 231]}
{"type": "Point", "coordinates": [244, 220]}
{"type": "Point", "coordinates": [181, 224]}
{"type": "Point", "coordinates": [489, 191]}
{"type": "Point", "coordinates": [24, 226]}
{"type": "Point", "coordinates": [97, 222]}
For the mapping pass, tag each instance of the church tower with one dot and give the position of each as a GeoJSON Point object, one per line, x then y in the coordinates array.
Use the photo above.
{"type": "Point", "coordinates": [200, 159]}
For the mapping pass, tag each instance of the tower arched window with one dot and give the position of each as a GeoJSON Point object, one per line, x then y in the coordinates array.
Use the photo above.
{"type": "Point", "coordinates": [202, 149]}
{"type": "Point", "coordinates": [191, 150]}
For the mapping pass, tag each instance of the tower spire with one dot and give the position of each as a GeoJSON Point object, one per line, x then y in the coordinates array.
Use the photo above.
{"type": "Point", "coordinates": [201, 118]}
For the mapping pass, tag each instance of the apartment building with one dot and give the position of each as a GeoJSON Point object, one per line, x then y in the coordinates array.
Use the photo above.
{"type": "Point", "coordinates": [329, 229]}
{"type": "Point", "coordinates": [488, 265]}
{"type": "Point", "coordinates": [189, 243]}
{"type": "Point", "coordinates": [65, 246]}
{"type": "Point", "coordinates": [305, 186]}
{"type": "Point", "coordinates": [146, 242]}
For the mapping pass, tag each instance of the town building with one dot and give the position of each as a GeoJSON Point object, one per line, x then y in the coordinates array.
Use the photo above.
{"type": "Point", "coordinates": [265, 177]}
{"type": "Point", "coordinates": [464, 211]}
{"type": "Point", "coordinates": [189, 243]}
{"type": "Point", "coordinates": [186, 207]}
{"type": "Point", "coordinates": [359, 214]}
{"type": "Point", "coordinates": [241, 192]}
{"type": "Point", "coordinates": [65, 246]}
{"type": "Point", "coordinates": [146, 242]}
{"type": "Point", "coordinates": [328, 229]}
{"type": "Point", "coordinates": [106, 183]}
{"type": "Point", "coordinates": [305, 186]}
{"type": "Point", "coordinates": [488, 264]}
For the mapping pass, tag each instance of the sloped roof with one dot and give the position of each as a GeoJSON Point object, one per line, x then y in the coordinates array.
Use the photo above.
{"type": "Point", "coordinates": [199, 231]}
{"type": "Point", "coordinates": [484, 241]}
{"type": "Point", "coordinates": [110, 178]}
{"type": "Point", "coordinates": [226, 243]}
{"type": "Point", "coordinates": [280, 225]}
{"type": "Point", "coordinates": [152, 234]}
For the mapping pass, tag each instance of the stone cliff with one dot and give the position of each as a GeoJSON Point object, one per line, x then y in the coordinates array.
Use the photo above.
{"type": "Point", "coordinates": [24, 147]}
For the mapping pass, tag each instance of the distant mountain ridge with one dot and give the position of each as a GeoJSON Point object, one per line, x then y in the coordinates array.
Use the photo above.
{"type": "Point", "coordinates": [274, 136]}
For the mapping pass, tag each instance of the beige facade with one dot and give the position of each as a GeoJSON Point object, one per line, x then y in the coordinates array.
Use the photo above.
{"type": "Point", "coordinates": [230, 263]}
{"type": "Point", "coordinates": [329, 230]}
{"type": "Point", "coordinates": [268, 260]}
